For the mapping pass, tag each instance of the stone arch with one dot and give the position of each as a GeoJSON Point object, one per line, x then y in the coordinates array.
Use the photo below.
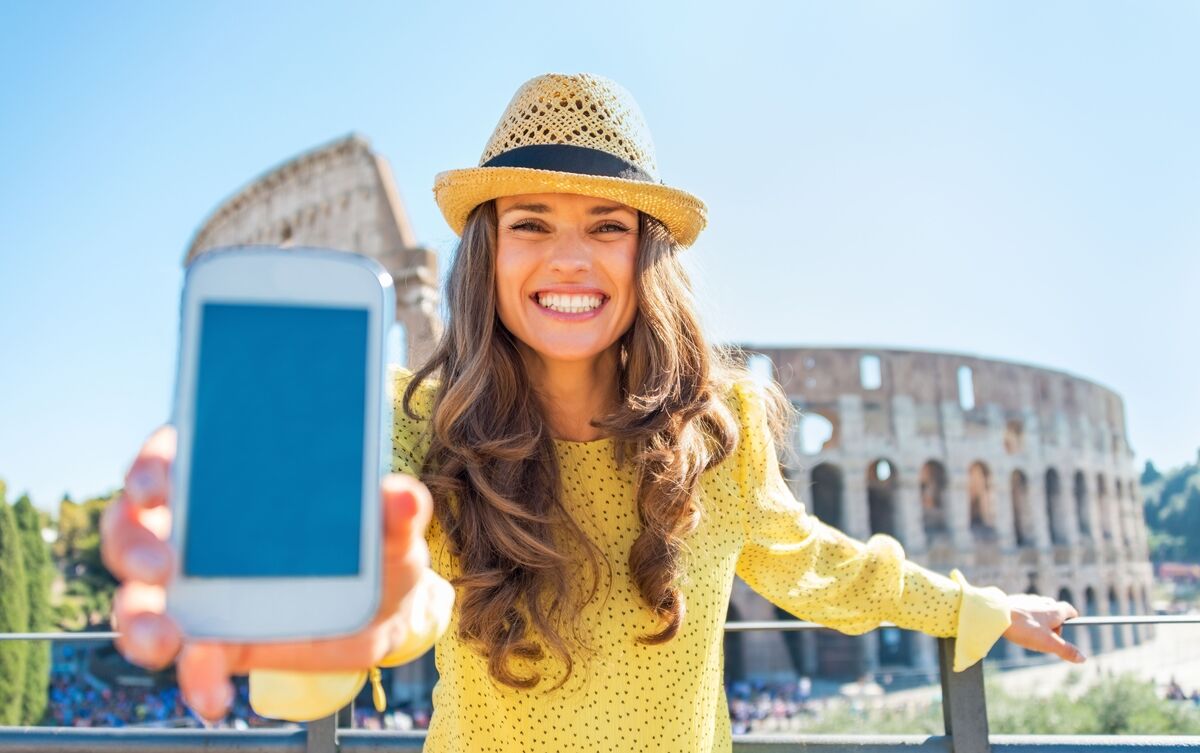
{"type": "Point", "coordinates": [1135, 609]}
{"type": "Point", "coordinates": [1148, 629]}
{"type": "Point", "coordinates": [933, 498]}
{"type": "Point", "coordinates": [979, 491]}
{"type": "Point", "coordinates": [840, 655]}
{"type": "Point", "coordinates": [1022, 512]}
{"type": "Point", "coordinates": [1064, 594]}
{"type": "Point", "coordinates": [307, 201]}
{"type": "Point", "coordinates": [1105, 512]}
{"type": "Point", "coordinates": [735, 651]}
{"type": "Point", "coordinates": [1124, 521]}
{"type": "Point", "coordinates": [826, 493]}
{"type": "Point", "coordinates": [1091, 608]}
{"type": "Point", "coordinates": [895, 647]}
{"type": "Point", "coordinates": [792, 641]}
{"type": "Point", "coordinates": [881, 496]}
{"type": "Point", "coordinates": [1083, 512]}
{"type": "Point", "coordinates": [1115, 610]}
{"type": "Point", "coordinates": [1056, 512]}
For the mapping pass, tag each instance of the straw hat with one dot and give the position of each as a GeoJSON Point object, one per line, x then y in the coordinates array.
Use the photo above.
{"type": "Point", "coordinates": [580, 134]}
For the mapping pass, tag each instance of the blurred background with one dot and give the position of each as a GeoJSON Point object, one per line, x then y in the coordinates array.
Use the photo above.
{"type": "Point", "coordinates": [963, 236]}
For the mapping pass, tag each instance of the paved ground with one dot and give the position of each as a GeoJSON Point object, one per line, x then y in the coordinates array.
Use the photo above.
{"type": "Point", "coordinates": [1174, 652]}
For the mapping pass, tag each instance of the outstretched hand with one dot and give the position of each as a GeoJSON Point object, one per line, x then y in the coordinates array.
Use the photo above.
{"type": "Point", "coordinates": [1037, 624]}
{"type": "Point", "coordinates": [134, 545]}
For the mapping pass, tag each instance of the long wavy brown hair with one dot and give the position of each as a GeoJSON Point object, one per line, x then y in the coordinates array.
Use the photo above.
{"type": "Point", "coordinates": [493, 470]}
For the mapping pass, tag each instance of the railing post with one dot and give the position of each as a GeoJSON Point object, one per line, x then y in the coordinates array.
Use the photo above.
{"type": "Point", "coordinates": [322, 735]}
{"type": "Point", "coordinates": [964, 706]}
{"type": "Point", "coordinates": [345, 717]}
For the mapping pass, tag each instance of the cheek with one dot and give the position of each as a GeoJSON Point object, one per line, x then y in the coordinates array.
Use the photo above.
{"type": "Point", "coordinates": [510, 275]}
{"type": "Point", "coordinates": [624, 275]}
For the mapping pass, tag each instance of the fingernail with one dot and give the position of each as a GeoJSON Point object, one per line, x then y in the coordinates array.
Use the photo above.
{"type": "Point", "coordinates": [146, 563]}
{"type": "Point", "coordinates": [212, 704]}
{"type": "Point", "coordinates": [142, 637]}
{"type": "Point", "coordinates": [143, 484]}
{"type": "Point", "coordinates": [407, 504]}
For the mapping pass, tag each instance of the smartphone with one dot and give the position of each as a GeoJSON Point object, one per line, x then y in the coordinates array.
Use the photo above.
{"type": "Point", "coordinates": [284, 433]}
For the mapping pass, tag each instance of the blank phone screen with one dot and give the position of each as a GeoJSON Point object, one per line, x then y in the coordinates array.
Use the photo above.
{"type": "Point", "coordinates": [276, 480]}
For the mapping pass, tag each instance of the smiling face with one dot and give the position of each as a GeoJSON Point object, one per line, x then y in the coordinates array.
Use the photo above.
{"type": "Point", "coordinates": [565, 268]}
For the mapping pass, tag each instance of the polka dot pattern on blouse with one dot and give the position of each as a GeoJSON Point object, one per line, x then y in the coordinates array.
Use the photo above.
{"type": "Point", "coordinates": [670, 697]}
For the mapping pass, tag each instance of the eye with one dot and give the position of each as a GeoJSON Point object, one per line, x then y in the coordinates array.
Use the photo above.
{"type": "Point", "coordinates": [611, 226]}
{"type": "Point", "coordinates": [528, 224]}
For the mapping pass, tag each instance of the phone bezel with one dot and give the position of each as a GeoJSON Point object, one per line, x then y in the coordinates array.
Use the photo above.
{"type": "Point", "coordinates": [273, 608]}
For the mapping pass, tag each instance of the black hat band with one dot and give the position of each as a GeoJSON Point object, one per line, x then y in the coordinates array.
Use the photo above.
{"type": "Point", "coordinates": [569, 158]}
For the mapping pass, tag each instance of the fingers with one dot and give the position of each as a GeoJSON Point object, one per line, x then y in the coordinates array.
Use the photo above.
{"type": "Point", "coordinates": [147, 637]}
{"type": "Point", "coordinates": [1062, 648]}
{"type": "Point", "coordinates": [147, 482]}
{"type": "Point", "coordinates": [134, 526]}
{"type": "Point", "coordinates": [407, 506]}
{"type": "Point", "coordinates": [203, 675]}
{"type": "Point", "coordinates": [407, 509]}
{"type": "Point", "coordinates": [131, 549]}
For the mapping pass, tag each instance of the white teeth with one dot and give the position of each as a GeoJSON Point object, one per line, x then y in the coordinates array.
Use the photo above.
{"type": "Point", "coordinates": [570, 304]}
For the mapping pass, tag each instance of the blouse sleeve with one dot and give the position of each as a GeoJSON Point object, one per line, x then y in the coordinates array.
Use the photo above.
{"type": "Point", "coordinates": [818, 573]}
{"type": "Point", "coordinates": [305, 696]}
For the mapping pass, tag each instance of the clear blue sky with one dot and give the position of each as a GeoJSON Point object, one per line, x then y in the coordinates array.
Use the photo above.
{"type": "Point", "coordinates": [1013, 180]}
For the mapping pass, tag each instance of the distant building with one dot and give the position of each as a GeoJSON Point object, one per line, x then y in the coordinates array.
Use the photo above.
{"type": "Point", "coordinates": [1021, 477]}
{"type": "Point", "coordinates": [340, 196]}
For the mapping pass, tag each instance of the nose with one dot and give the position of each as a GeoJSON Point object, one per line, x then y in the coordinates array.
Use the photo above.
{"type": "Point", "coordinates": [571, 256]}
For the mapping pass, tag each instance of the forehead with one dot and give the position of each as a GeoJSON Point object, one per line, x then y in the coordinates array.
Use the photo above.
{"type": "Point", "coordinates": [551, 203]}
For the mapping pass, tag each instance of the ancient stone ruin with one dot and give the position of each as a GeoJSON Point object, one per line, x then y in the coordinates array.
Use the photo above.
{"type": "Point", "coordinates": [1021, 477]}
{"type": "Point", "coordinates": [339, 196]}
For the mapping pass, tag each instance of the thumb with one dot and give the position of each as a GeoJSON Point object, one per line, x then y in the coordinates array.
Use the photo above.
{"type": "Point", "coordinates": [203, 675]}
{"type": "Point", "coordinates": [407, 508]}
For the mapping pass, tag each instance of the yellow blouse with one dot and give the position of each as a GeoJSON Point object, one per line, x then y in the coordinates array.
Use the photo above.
{"type": "Point", "coordinates": [667, 697]}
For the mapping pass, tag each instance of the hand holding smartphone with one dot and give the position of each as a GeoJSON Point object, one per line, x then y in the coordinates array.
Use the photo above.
{"type": "Point", "coordinates": [136, 528]}
{"type": "Point", "coordinates": [284, 434]}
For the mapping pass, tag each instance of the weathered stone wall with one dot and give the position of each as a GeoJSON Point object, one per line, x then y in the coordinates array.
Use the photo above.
{"type": "Point", "coordinates": [1021, 477]}
{"type": "Point", "coordinates": [339, 196]}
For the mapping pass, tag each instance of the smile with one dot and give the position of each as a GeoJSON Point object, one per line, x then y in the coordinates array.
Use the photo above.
{"type": "Point", "coordinates": [570, 303]}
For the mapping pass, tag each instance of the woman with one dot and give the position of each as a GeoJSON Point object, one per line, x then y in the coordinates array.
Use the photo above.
{"type": "Point", "coordinates": [598, 473]}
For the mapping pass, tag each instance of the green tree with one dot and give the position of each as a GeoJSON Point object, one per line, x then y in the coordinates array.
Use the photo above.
{"type": "Point", "coordinates": [1172, 512]}
{"type": "Point", "coordinates": [38, 574]}
{"type": "Point", "coordinates": [88, 593]}
{"type": "Point", "coordinates": [14, 616]}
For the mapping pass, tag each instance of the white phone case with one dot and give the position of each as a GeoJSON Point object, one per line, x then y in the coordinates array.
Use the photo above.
{"type": "Point", "coordinates": [246, 608]}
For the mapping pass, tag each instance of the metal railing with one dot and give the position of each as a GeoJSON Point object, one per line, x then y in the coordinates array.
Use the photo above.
{"type": "Point", "coordinates": [964, 710]}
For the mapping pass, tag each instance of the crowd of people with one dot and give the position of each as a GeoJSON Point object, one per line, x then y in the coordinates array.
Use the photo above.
{"type": "Point", "coordinates": [79, 701]}
{"type": "Point", "coordinates": [78, 698]}
{"type": "Point", "coordinates": [768, 707]}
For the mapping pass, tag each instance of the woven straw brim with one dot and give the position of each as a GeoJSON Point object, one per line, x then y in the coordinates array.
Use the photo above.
{"type": "Point", "coordinates": [457, 192]}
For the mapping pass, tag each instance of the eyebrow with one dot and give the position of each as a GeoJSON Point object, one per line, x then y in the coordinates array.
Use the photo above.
{"type": "Point", "coordinates": [606, 209]}
{"type": "Point", "coordinates": [545, 209]}
{"type": "Point", "coordinates": [539, 208]}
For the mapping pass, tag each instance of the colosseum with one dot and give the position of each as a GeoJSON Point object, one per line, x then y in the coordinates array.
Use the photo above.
{"type": "Point", "coordinates": [1022, 477]}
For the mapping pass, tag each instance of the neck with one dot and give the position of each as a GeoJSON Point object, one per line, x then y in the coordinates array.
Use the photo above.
{"type": "Point", "coordinates": [573, 393]}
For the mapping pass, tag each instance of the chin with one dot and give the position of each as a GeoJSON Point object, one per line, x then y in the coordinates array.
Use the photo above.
{"type": "Point", "coordinates": [560, 351]}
